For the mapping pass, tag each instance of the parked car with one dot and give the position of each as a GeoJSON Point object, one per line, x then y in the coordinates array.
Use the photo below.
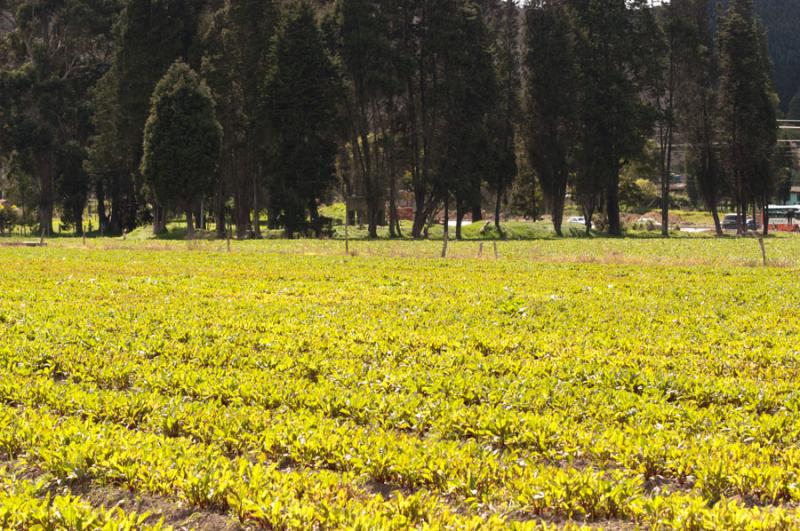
{"type": "Point", "coordinates": [731, 221]}
{"type": "Point", "coordinates": [578, 220]}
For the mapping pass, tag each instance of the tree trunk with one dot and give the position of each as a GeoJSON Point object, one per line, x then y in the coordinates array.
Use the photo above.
{"type": "Point", "coordinates": [612, 207]}
{"type": "Point", "coordinates": [79, 225]}
{"type": "Point", "coordinates": [101, 207]}
{"type": "Point", "coordinates": [477, 212]}
{"type": "Point", "coordinates": [219, 212]}
{"type": "Point", "coordinates": [665, 204]}
{"type": "Point", "coordinates": [46, 194]}
{"type": "Point", "coordinates": [373, 212]}
{"type": "Point", "coordinates": [189, 224]}
{"type": "Point", "coordinates": [159, 218]}
{"type": "Point", "coordinates": [314, 216]}
{"type": "Point", "coordinates": [558, 213]}
{"type": "Point", "coordinates": [666, 158]}
{"type": "Point", "coordinates": [459, 218]}
{"type": "Point", "coordinates": [256, 205]}
{"type": "Point", "coordinates": [497, 205]}
{"type": "Point", "coordinates": [201, 215]}
{"type": "Point", "coordinates": [446, 226]}
{"type": "Point", "coordinates": [420, 215]}
{"type": "Point", "coordinates": [242, 210]}
{"type": "Point", "coordinates": [115, 222]}
{"type": "Point", "coordinates": [588, 213]}
{"type": "Point", "coordinates": [394, 224]}
{"type": "Point", "coordinates": [717, 223]}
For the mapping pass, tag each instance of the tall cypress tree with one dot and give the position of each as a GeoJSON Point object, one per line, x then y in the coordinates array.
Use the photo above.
{"type": "Point", "coordinates": [181, 141]}
{"type": "Point", "coordinates": [613, 120]}
{"type": "Point", "coordinates": [367, 55]}
{"type": "Point", "coordinates": [747, 109]}
{"type": "Point", "coordinates": [149, 36]}
{"type": "Point", "coordinates": [237, 48]}
{"type": "Point", "coordinates": [469, 93]}
{"type": "Point", "coordinates": [51, 57]}
{"type": "Point", "coordinates": [551, 100]}
{"type": "Point", "coordinates": [303, 94]}
{"type": "Point", "coordinates": [697, 105]}
{"type": "Point", "coordinates": [504, 119]}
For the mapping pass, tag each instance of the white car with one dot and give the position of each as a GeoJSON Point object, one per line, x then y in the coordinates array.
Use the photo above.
{"type": "Point", "coordinates": [579, 220]}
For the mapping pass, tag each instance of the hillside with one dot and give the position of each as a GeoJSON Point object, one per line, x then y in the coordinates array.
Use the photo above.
{"type": "Point", "coordinates": [781, 19]}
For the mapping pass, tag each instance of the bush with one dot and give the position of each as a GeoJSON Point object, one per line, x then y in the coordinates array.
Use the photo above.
{"type": "Point", "coordinates": [9, 217]}
{"type": "Point", "coordinates": [639, 195]}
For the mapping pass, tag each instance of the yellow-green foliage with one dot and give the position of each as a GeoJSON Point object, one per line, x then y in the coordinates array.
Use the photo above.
{"type": "Point", "coordinates": [291, 387]}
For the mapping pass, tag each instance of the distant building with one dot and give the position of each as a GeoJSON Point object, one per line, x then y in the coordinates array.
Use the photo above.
{"type": "Point", "coordinates": [794, 195]}
{"type": "Point", "coordinates": [677, 183]}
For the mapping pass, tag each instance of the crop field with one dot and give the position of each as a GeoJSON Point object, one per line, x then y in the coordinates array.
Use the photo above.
{"type": "Point", "coordinates": [285, 385]}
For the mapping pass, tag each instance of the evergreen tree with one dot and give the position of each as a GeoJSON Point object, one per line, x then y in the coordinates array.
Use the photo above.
{"type": "Point", "coordinates": [50, 59]}
{"type": "Point", "coordinates": [181, 141]}
{"type": "Point", "coordinates": [367, 56]}
{"type": "Point", "coordinates": [469, 96]}
{"type": "Point", "coordinates": [149, 36]}
{"type": "Point", "coordinates": [107, 163]}
{"type": "Point", "coordinates": [237, 49]}
{"type": "Point", "coordinates": [697, 106]}
{"type": "Point", "coordinates": [747, 111]}
{"type": "Point", "coordinates": [550, 97]}
{"type": "Point", "coordinates": [663, 38]}
{"type": "Point", "coordinates": [612, 119]}
{"type": "Point", "coordinates": [504, 119]}
{"type": "Point", "coordinates": [303, 94]}
{"type": "Point", "coordinates": [427, 33]}
{"type": "Point", "coordinates": [72, 184]}
{"type": "Point", "coordinates": [794, 107]}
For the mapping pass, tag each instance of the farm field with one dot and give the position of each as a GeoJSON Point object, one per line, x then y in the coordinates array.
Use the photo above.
{"type": "Point", "coordinates": [604, 383]}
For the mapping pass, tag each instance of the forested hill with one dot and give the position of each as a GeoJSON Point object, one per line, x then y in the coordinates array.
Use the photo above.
{"type": "Point", "coordinates": [782, 19]}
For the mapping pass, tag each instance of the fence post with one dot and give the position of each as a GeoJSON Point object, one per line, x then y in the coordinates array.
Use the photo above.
{"type": "Point", "coordinates": [496, 252]}
{"type": "Point", "coordinates": [763, 250]}
{"type": "Point", "coordinates": [480, 250]}
{"type": "Point", "coordinates": [346, 233]}
{"type": "Point", "coordinates": [229, 234]}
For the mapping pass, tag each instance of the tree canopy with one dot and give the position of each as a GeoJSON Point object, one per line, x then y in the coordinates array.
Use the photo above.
{"type": "Point", "coordinates": [181, 141]}
{"type": "Point", "coordinates": [429, 107]}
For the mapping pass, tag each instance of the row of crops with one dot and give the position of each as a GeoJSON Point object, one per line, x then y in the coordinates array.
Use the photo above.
{"type": "Point", "coordinates": [301, 390]}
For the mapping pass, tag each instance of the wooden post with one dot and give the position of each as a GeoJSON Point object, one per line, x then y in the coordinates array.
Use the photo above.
{"type": "Point", "coordinates": [496, 252]}
{"type": "Point", "coordinates": [229, 234]}
{"type": "Point", "coordinates": [763, 250]}
{"type": "Point", "coordinates": [346, 231]}
{"type": "Point", "coordinates": [480, 250]}
{"type": "Point", "coordinates": [41, 240]}
{"type": "Point", "coordinates": [445, 240]}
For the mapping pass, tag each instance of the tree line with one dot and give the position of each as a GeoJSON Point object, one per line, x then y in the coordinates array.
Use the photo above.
{"type": "Point", "coordinates": [243, 108]}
